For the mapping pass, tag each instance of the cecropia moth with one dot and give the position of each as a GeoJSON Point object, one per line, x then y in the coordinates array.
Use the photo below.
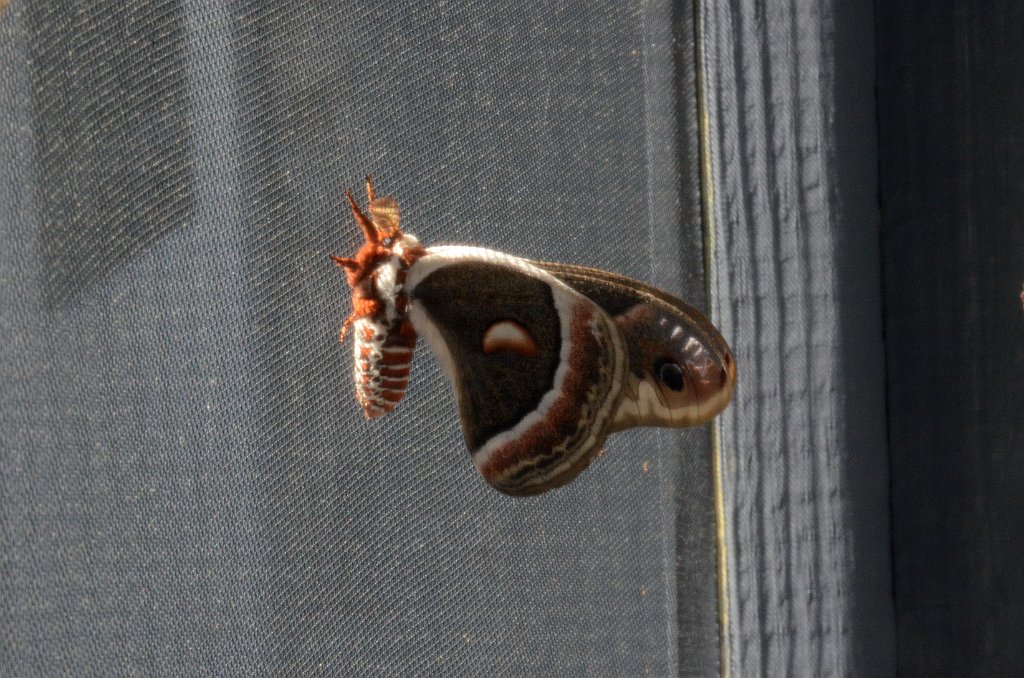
{"type": "Point", "coordinates": [546, 359]}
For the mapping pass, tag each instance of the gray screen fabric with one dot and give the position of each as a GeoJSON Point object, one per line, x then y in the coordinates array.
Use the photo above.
{"type": "Point", "coordinates": [795, 285]}
{"type": "Point", "coordinates": [186, 483]}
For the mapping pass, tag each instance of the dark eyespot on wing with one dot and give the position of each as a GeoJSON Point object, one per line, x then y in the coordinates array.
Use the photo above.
{"type": "Point", "coordinates": [660, 329]}
{"type": "Point", "coordinates": [669, 373]}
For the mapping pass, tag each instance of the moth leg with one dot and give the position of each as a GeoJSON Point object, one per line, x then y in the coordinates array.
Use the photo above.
{"type": "Point", "coordinates": [344, 262]}
{"type": "Point", "coordinates": [345, 325]}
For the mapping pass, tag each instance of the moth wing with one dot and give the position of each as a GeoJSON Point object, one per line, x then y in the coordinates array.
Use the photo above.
{"type": "Point", "coordinates": [537, 367]}
{"type": "Point", "coordinates": [386, 215]}
{"type": "Point", "coordinates": [681, 370]}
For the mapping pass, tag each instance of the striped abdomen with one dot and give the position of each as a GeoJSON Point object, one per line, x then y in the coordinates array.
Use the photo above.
{"type": "Point", "coordinates": [382, 360]}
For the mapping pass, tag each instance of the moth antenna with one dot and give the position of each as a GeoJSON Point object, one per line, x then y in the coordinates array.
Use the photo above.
{"type": "Point", "coordinates": [347, 264]}
{"type": "Point", "coordinates": [369, 187]}
{"type": "Point", "coordinates": [369, 230]}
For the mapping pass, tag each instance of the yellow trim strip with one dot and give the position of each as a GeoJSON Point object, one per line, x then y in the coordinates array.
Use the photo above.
{"type": "Point", "coordinates": [707, 215]}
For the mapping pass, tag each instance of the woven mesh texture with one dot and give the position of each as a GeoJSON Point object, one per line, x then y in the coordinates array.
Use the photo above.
{"type": "Point", "coordinates": [186, 481]}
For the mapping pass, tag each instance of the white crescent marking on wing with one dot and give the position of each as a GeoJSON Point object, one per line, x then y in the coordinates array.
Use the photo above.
{"type": "Point", "coordinates": [564, 298]}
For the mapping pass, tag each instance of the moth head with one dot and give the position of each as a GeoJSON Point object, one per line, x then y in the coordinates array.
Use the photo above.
{"type": "Point", "coordinates": [383, 240]}
{"type": "Point", "coordinates": [377, 272]}
{"type": "Point", "coordinates": [682, 372]}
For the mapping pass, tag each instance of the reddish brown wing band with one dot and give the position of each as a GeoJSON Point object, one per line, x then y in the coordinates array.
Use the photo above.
{"type": "Point", "coordinates": [546, 359]}
{"type": "Point", "coordinates": [681, 370]}
{"type": "Point", "coordinates": [532, 422]}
